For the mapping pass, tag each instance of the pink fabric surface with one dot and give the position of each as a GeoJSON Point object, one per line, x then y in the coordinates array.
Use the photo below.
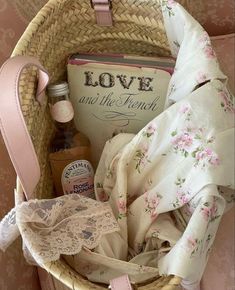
{"type": "Point", "coordinates": [218, 18]}
{"type": "Point", "coordinates": [10, 31]}
{"type": "Point", "coordinates": [224, 46]}
{"type": "Point", "coordinates": [220, 270]}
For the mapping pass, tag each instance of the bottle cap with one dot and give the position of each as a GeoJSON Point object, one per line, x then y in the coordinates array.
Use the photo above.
{"type": "Point", "coordinates": [58, 89]}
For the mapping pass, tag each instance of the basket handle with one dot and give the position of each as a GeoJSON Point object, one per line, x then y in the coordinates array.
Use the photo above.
{"type": "Point", "coordinates": [12, 124]}
{"type": "Point", "coordinates": [103, 12]}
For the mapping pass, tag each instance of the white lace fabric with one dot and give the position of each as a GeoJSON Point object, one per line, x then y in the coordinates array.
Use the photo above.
{"type": "Point", "coordinates": [58, 226]}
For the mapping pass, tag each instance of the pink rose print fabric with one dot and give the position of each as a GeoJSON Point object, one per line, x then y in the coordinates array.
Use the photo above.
{"type": "Point", "coordinates": [165, 180]}
{"type": "Point", "coordinates": [206, 46]}
{"type": "Point", "coordinates": [183, 195]}
{"type": "Point", "coordinates": [152, 201]}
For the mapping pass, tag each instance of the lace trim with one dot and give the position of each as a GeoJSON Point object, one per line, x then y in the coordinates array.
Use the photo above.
{"type": "Point", "coordinates": [58, 226]}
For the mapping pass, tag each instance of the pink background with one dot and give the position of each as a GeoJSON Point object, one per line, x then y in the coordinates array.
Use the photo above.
{"type": "Point", "coordinates": [217, 16]}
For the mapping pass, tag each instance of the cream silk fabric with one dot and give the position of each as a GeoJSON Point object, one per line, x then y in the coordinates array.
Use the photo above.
{"type": "Point", "coordinates": [168, 186]}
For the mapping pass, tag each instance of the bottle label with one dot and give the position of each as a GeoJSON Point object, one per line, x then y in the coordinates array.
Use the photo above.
{"type": "Point", "coordinates": [62, 111]}
{"type": "Point", "coordinates": [78, 177]}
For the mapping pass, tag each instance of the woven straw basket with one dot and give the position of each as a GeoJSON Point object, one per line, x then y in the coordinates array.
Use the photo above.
{"type": "Point", "coordinates": [63, 27]}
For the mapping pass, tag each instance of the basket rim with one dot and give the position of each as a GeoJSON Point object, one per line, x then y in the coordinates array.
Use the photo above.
{"type": "Point", "coordinates": [73, 282]}
{"type": "Point", "coordinates": [59, 269]}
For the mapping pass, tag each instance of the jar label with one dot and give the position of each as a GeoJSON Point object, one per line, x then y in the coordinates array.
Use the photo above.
{"type": "Point", "coordinates": [62, 111]}
{"type": "Point", "coordinates": [78, 177]}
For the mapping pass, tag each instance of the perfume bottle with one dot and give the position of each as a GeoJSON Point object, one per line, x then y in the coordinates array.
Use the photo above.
{"type": "Point", "coordinates": [69, 152]}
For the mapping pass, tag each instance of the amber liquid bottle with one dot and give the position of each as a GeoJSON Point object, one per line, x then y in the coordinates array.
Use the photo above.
{"type": "Point", "coordinates": [70, 154]}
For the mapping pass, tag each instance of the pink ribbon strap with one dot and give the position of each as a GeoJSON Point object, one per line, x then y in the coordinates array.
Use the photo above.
{"type": "Point", "coordinates": [103, 12]}
{"type": "Point", "coordinates": [120, 283]}
{"type": "Point", "coordinates": [12, 123]}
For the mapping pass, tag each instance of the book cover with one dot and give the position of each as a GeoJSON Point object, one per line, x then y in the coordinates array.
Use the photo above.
{"type": "Point", "coordinates": [110, 97]}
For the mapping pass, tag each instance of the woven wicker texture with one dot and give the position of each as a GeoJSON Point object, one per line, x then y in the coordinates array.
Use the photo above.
{"type": "Point", "coordinates": [65, 273]}
{"type": "Point", "coordinates": [63, 27]}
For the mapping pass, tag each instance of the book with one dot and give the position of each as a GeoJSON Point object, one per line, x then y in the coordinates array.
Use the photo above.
{"type": "Point", "coordinates": [116, 93]}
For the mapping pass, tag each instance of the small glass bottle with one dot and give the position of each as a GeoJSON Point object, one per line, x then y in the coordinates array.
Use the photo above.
{"type": "Point", "coordinates": [70, 154]}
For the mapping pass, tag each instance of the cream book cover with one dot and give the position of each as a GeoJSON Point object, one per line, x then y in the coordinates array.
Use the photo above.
{"type": "Point", "coordinates": [109, 99]}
